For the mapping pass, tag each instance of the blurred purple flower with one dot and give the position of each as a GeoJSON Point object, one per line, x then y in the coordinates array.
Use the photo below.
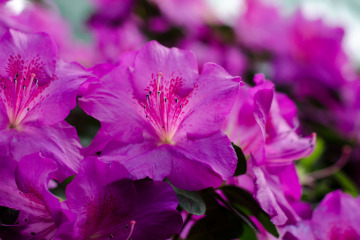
{"type": "Point", "coordinates": [111, 12]}
{"type": "Point", "coordinates": [37, 92]}
{"type": "Point", "coordinates": [45, 17]}
{"type": "Point", "coordinates": [109, 205]}
{"type": "Point", "coordinates": [112, 41]}
{"type": "Point", "coordinates": [187, 13]}
{"type": "Point", "coordinates": [262, 28]}
{"type": "Point", "coordinates": [209, 48]}
{"type": "Point", "coordinates": [162, 119]}
{"type": "Point", "coordinates": [336, 217]}
{"type": "Point", "coordinates": [115, 29]}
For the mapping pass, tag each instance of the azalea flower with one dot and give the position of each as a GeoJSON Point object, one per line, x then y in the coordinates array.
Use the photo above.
{"type": "Point", "coordinates": [109, 205]}
{"type": "Point", "coordinates": [37, 91]}
{"type": "Point", "coordinates": [160, 118]}
{"type": "Point", "coordinates": [336, 217]}
{"type": "Point", "coordinates": [24, 187]}
{"type": "Point", "coordinates": [264, 124]}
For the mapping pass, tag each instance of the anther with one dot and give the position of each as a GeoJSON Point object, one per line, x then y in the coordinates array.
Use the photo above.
{"type": "Point", "coordinates": [32, 233]}
{"type": "Point", "coordinates": [16, 75]}
{"type": "Point", "coordinates": [150, 93]}
{"type": "Point", "coordinates": [24, 87]}
{"type": "Point", "coordinates": [159, 93]}
{"type": "Point", "coordinates": [176, 100]}
{"type": "Point", "coordinates": [111, 236]}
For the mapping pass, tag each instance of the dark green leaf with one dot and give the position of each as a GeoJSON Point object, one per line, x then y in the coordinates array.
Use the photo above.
{"type": "Point", "coordinates": [238, 212]}
{"type": "Point", "coordinates": [218, 224]}
{"type": "Point", "coordinates": [241, 164]}
{"type": "Point", "coordinates": [190, 201]}
{"type": "Point", "coordinates": [242, 199]}
{"type": "Point", "coordinates": [248, 234]}
{"type": "Point", "coordinates": [346, 183]}
{"type": "Point", "coordinates": [59, 191]}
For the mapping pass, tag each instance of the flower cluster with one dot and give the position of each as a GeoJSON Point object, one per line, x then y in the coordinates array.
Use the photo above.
{"type": "Point", "coordinates": [148, 132]}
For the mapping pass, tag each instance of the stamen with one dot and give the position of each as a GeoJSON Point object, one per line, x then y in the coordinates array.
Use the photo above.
{"type": "Point", "coordinates": [132, 225]}
{"type": "Point", "coordinates": [21, 96]}
{"type": "Point", "coordinates": [162, 109]}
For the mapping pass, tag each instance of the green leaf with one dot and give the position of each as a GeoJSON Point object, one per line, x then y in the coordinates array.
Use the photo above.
{"type": "Point", "coordinates": [238, 213]}
{"type": "Point", "coordinates": [240, 199]}
{"type": "Point", "coordinates": [59, 191]}
{"type": "Point", "coordinates": [248, 234]}
{"type": "Point", "coordinates": [241, 164]}
{"type": "Point", "coordinates": [218, 224]}
{"type": "Point", "coordinates": [190, 201]}
{"type": "Point", "coordinates": [346, 183]}
{"type": "Point", "coordinates": [309, 161]}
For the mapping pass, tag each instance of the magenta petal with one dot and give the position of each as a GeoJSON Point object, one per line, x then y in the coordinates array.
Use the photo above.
{"type": "Point", "coordinates": [109, 204]}
{"type": "Point", "coordinates": [154, 58]}
{"type": "Point", "coordinates": [10, 195]}
{"type": "Point", "coordinates": [59, 142]}
{"type": "Point", "coordinates": [212, 100]}
{"type": "Point", "coordinates": [272, 197]}
{"type": "Point", "coordinates": [337, 217]}
{"type": "Point", "coordinates": [57, 99]}
{"type": "Point", "coordinates": [33, 175]}
{"type": "Point", "coordinates": [111, 101]}
{"type": "Point", "coordinates": [28, 46]}
{"type": "Point", "coordinates": [200, 163]}
{"type": "Point", "coordinates": [155, 214]}
{"type": "Point", "coordinates": [141, 159]}
{"type": "Point", "coordinates": [40, 211]}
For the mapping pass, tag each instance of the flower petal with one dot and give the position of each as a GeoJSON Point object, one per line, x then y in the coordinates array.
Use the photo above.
{"type": "Point", "coordinates": [154, 58]}
{"type": "Point", "coordinates": [59, 142]}
{"type": "Point", "coordinates": [212, 100]}
{"type": "Point", "coordinates": [202, 163]}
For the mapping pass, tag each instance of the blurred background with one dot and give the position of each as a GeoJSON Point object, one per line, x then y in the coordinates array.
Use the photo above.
{"type": "Point", "coordinates": [310, 49]}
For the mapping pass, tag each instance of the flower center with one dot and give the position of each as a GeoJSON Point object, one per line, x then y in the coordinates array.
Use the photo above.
{"type": "Point", "coordinates": [163, 107]}
{"type": "Point", "coordinates": [19, 90]}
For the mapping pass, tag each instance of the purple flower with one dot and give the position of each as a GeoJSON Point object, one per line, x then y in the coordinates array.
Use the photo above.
{"type": "Point", "coordinates": [187, 13]}
{"type": "Point", "coordinates": [261, 27]}
{"type": "Point", "coordinates": [162, 119]}
{"type": "Point", "coordinates": [37, 91]}
{"type": "Point", "coordinates": [264, 124]}
{"type": "Point", "coordinates": [109, 205]}
{"type": "Point", "coordinates": [111, 12]}
{"type": "Point", "coordinates": [45, 17]}
{"type": "Point", "coordinates": [209, 48]}
{"type": "Point", "coordinates": [24, 187]}
{"type": "Point", "coordinates": [112, 41]}
{"type": "Point", "coordinates": [336, 217]}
